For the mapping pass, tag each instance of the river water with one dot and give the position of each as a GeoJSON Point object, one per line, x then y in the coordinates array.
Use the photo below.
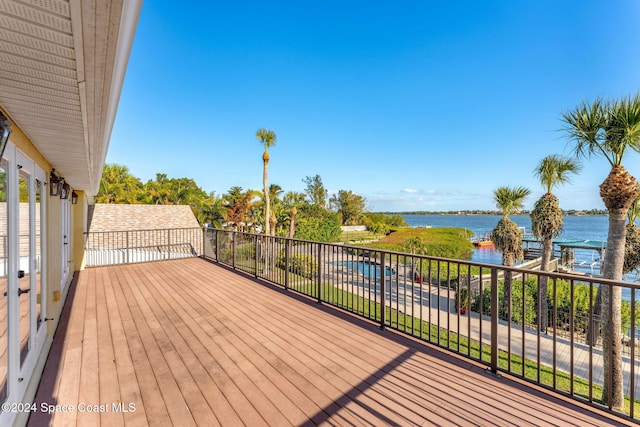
{"type": "Point", "coordinates": [575, 227]}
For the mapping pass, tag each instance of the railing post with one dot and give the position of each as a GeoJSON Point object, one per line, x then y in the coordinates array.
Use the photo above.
{"type": "Point", "coordinates": [495, 304]}
{"type": "Point", "coordinates": [126, 259]}
{"type": "Point", "coordinates": [383, 292]}
{"type": "Point", "coordinates": [286, 264]}
{"type": "Point", "coordinates": [168, 243]}
{"type": "Point", "coordinates": [233, 250]}
{"type": "Point", "coordinates": [217, 234]}
{"type": "Point", "coordinates": [319, 277]}
{"type": "Point", "coordinates": [255, 255]}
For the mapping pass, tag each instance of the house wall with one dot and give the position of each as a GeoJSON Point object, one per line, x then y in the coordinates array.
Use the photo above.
{"type": "Point", "coordinates": [55, 290]}
{"type": "Point", "coordinates": [79, 214]}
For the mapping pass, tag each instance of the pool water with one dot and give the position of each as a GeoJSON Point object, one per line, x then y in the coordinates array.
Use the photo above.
{"type": "Point", "coordinates": [368, 269]}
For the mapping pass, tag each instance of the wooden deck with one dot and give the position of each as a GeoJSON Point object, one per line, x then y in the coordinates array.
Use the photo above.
{"type": "Point", "coordinates": [191, 343]}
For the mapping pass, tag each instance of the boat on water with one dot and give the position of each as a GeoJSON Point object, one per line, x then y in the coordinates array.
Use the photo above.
{"type": "Point", "coordinates": [484, 244]}
{"type": "Point", "coordinates": [483, 241]}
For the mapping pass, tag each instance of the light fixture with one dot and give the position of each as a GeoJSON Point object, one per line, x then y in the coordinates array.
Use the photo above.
{"type": "Point", "coordinates": [5, 131]}
{"type": "Point", "coordinates": [66, 189]}
{"type": "Point", "coordinates": [74, 198]}
{"type": "Point", "coordinates": [56, 182]}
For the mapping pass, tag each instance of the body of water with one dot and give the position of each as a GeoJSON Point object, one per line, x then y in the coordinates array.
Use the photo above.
{"type": "Point", "coordinates": [575, 227]}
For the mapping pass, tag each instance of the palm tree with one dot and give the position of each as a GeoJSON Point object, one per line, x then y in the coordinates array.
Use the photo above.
{"type": "Point", "coordinates": [291, 201]}
{"type": "Point", "coordinates": [117, 185]}
{"type": "Point", "coordinates": [507, 237]}
{"type": "Point", "coordinates": [546, 216]}
{"type": "Point", "coordinates": [266, 137]}
{"type": "Point", "coordinates": [632, 241]}
{"type": "Point", "coordinates": [275, 191]}
{"type": "Point", "coordinates": [609, 129]}
{"type": "Point", "coordinates": [414, 245]}
{"type": "Point", "coordinates": [214, 210]}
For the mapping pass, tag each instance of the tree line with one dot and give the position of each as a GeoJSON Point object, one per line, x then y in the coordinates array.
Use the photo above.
{"type": "Point", "coordinates": [310, 215]}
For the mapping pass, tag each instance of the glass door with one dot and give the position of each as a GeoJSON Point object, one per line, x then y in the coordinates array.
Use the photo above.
{"type": "Point", "coordinates": [22, 279]}
{"type": "Point", "coordinates": [4, 264]}
{"type": "Point", "coordinates": [24, 252]}
{"type": "Point", "coordinates": [30, 289]}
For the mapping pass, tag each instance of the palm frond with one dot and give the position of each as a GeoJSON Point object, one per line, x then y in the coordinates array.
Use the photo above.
{"type": "Point", "coordinates": [510, 199]}
{"type": "Point", "coordinates": [584, 126]}
{"type": "Point", "coordinates": [554, 170]}
{"type": "Point", "coordinates": [267, 137]}
{"type": "Point", "coordinates": [623, 126]}
{"type": "Point", "coordinates": [634, 211]}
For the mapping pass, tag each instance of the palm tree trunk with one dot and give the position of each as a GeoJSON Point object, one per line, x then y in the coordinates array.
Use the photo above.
{"type": "Point", "coordinates": [507, 261]}
{"type": "Point", "coordinates": [292, 223]}
{"type": "Point", "coordinates": [547, 249]}
{"type": "Point", "coordinates": [612, 392]}
{"type": "Point", "coordinates": [267, 202]}
{"type": "Point", "coordinates": [272, 224]}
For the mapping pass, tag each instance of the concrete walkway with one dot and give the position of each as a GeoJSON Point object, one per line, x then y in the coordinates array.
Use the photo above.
{"type": "Point", "coordinates": [437, 306]}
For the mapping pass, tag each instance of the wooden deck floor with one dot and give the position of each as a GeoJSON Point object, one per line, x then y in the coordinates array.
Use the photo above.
{"type": "Point", "coordinates": [190, 343]}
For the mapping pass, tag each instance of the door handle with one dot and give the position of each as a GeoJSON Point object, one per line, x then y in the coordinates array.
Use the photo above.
{"type": "Point", "coordinates": [20, 274]}
{"type": "Point", "coordinates": [20, 291]}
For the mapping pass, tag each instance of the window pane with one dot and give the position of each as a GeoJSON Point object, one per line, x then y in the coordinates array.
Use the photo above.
{"type": "Point", "coordinates": [3, 281]}
{"type": "Point", "coordinates": [39, 253]}
{"type": "Point", "coordinates": [24, 222]}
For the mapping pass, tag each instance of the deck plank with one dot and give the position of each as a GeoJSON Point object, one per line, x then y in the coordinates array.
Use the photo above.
{"type": "Point", "coordinates": [151, 395]}
{"type": "Point", "coordinates": [192, 343]}
{"type": "Point", "coordinates": [129, 391]}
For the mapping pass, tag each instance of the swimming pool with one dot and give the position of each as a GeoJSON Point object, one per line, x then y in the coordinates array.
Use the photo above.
{"type": "Point", "coordinates": [367, 268]}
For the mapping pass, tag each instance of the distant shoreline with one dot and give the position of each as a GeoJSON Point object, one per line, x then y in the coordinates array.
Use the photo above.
{"type": "Point", "coordinates": [591, 212]}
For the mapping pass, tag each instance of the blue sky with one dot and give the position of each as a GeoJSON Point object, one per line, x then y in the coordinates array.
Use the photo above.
{"type": "Point", "coordinates": [415, 105]}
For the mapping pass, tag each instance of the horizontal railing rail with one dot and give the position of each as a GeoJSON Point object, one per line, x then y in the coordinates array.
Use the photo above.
{"type": "Point", "coordinates": [132, 246]}
{"type": "Point", "coordinates": [493, 314]}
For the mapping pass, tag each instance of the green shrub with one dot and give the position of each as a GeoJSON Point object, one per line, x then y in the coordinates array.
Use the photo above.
{"type": "Point", "coordinates": [303, 265]}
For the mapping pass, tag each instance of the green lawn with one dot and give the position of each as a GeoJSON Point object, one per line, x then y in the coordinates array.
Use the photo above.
{"type": "Point", "coordinates": [367, 308]}
{"type": "Point", "coordinates": [435, 242]}
{"type": "Point", "coordinates": [542, 374]}
{"type": "Point", "coordinates": [359, 236]}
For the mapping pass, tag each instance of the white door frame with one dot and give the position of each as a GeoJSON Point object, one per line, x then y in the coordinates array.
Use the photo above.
{"type": "Point", "coordinates": [65, 250]}
{"type": "Point", "coordinates": [19, 374]}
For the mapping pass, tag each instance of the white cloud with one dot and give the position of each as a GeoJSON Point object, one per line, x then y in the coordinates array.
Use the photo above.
{"type": "Point", "coordinates": [410, 190]}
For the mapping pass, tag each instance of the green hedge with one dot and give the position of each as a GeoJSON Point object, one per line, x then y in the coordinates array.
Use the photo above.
{"type": "Point", "coordinates": [303, 265]}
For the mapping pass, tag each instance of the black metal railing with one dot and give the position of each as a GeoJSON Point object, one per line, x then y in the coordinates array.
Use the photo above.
{"type": "Point", "coordinates": [132, 246]}
{"type": "Point", "coordinates": [490, 313]}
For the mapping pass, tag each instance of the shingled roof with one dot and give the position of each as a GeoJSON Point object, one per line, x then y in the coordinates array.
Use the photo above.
{"type": "Point", "coordinates": [115, 217]}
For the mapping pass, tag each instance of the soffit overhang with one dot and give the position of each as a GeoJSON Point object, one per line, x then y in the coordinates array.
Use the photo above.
{"type": "Point", "coordinates": [62, 65]}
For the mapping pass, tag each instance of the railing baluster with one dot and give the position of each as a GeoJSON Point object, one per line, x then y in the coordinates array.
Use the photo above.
{"type": "Point", "coordinates": [632, 359]}
{"type": "Point", "coordinates": [233, 248]}
{"type": "Point", "coordinates": [287, 248]}
{"type": "Point", "coordinates": [383, 292]}
{"type": "Point", "coordinates": [256, 241]}
{"type": "Point", "coordinates": [306, 265]}
{"type": "Point", "coordinates": [494, 320]}
{"type": "Point", "coordinates": [319, 273]}
{"type": "Point", "coordinates": [217, 234]}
